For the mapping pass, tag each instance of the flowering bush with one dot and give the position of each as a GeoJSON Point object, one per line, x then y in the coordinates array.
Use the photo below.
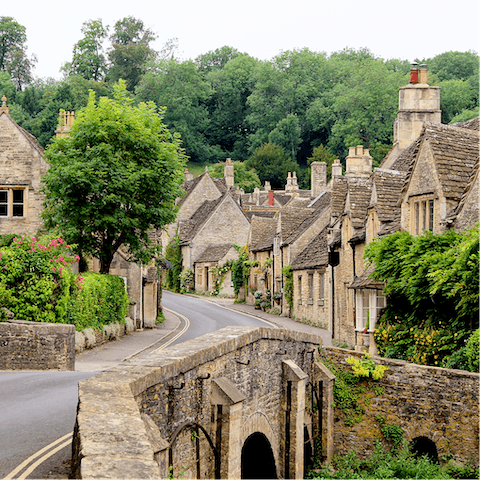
{"type": "Point", "coordinates": [36, 280]}
{"type": "Point", "coordinates": [365, 367]}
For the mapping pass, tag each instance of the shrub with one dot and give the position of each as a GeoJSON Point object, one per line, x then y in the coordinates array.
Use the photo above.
{"type": "Point", "coordinates": [102, 300]}
{"type": "Point", "coordinates": [187, 280]}
{"type": "Point", "coordinates": [471, 351]}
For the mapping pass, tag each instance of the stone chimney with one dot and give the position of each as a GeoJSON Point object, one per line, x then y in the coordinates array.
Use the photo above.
{"type": "Point", "coordinates": [318, 178]}
{"type": "Point", "coordinates": [187, 175]}
{"type": "Point", "coordinates": [229, 173]}
{"type": "Point", "coordinates": [336, 168]}
{"type": "Point", "coordinates": [256, 196]}
{"type": "Point", "coordinates": [267, 186]}
{"type": "Point", "coordinates": [418, 103]}
{"type": "Point", "coordinates": [359, 162]}
{"type": "Point", "coordinates": [292, 185]}
{"type": "Point", "coordinates": [271, 200]}
{"type": "Point", "coordinates": [65, 120]}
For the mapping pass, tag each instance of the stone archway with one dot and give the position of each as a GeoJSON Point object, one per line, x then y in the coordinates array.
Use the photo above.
{"type": "Point", "coordinates": [422, 446]}
{"type": "Point", "coordinates": [257, 458]}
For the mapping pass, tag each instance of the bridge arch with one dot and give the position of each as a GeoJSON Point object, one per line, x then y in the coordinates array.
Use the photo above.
{"type": "Point", "coordinates": [421, 446]}
{"type": "Point", "coordinates": [194, 427]}
{"type": "Point", "coordinates": [257, 458]}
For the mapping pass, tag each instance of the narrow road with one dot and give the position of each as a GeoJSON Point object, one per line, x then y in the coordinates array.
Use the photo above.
{"type": "Point", "coordinates": [38, 409]}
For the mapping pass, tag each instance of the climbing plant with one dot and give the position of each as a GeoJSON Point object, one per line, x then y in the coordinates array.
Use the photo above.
{"type": "Point", "coordinates": [173, 253]}
{"type": "Point", "coordinates": [288, 287]}
{"type": "Point", "coordinates": [240, 270]}
{"type": "Point", "coordinates": [220, 273]}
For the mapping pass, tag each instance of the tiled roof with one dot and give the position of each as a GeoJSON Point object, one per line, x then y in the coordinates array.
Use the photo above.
{"type": "Point", "coordinates": [263, 232]}
{"type": "Point", "coordinates": [388, 185]}
{"type": "Point", "coordinates": [317, 209]}
{"type": "Point", "coordinates": [470, 124]}
{"type": "Point", "coordinates": [314, 255]}
{"type": "Point", "coordinates": [189, 228]}
{"type": "Point", "coordinates": [359, 193]}
{"type": "Point", "coordinates": [456, 153]}
{"type": "Point", "coordinates": [214, 253]}
{"type": "Point", "coordinates": [363, 280]}
{"type": "Point", "coordinates": [190, 185]}
{"type": "Point", "coordinates": [339, 194]}
{"type": "Point", "coordinates": [251, 213]}
{"type": "Point", "coordinates": [291, 219]}
{"type": "Point", "coordinates": [406, 160]}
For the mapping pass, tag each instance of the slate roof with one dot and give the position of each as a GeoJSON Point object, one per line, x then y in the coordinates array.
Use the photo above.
{"type": "Point", "coordinates": [339, 195]}
{"type": "Point", "coordinates": [189, 228]}
{"type": "Point", "coordinates": [456, 153]}
{"type": "Point", "coordinates": [214, 253]}
{"type": "Point", "coordinates": [363, 280]}
{"type": "Point", "coordinates": [406, 159]}
{"type": "Point", "coordinates": [314, 255]}
{"type": "Point", "coordinates": [190, 185]}
{"type": "Point", "coordinates": [322, 202]}
{"type": "Point", "coordinates": [470, 124]}
{"type": "Point", "coordinates": [251, 213]}
{"type": "Point", "coordinates": [262, 233]}
{"type": "Point", "coordinates": [388, 186]}
{"type": "Point", "coordinates": [291, 219]}
{"type": "Point", "coordinates": [359, 193]}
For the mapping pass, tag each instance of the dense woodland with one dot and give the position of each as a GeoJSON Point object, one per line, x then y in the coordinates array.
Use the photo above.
{"type": "Point", "coordinates": [297, 107]}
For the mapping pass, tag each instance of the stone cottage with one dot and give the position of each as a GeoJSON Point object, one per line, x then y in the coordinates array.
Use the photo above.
{"type": "Point", "coordinates": [22, 167]}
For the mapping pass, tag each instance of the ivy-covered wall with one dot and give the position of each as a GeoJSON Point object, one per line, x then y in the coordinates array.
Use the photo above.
{"type": "Point", "coordinates": [433, 403]}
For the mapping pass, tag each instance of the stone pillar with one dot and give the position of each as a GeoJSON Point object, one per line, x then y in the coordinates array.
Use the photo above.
{"type": "Point", "coordinates": [294, 383]}
{"type": "Point", "coordinates": [228, 401]}
{"type": "Point", "coordinates": [318, 178]}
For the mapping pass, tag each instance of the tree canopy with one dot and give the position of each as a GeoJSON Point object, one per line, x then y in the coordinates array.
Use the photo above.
{"type": "Point", "coordinates": [115, 177]}
{"type": "Point", "coordinates": [244, 177]}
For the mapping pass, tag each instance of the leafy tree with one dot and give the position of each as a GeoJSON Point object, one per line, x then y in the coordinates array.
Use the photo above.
{"type": "Point", "coordinates": [115, 177]}
{"type": "Point", "coordinates": [227, 106]}
{"type": "Point", "coordinates": [130, 51]}
{"type": "Point", "coordinates": [173, 253]}
{"type": "Point", "coordinates": [454, 65]}
{"type": "Point", "coordinates": [272, 163]}
{"type": "Point", "coordinates": [457, 96]}
{"type": "Point", "coordinates": [287, 134]}
{"type": "Point", "coordinates": [180, 87]}
{"type": "Point", "coordinates": [216, 59]}
{"type": "Point", "coordinates": [245, 177]}
{"type": "Point", "coordinates": [13, 56]}
{"type": "Point", "coordinates": [88, 60]}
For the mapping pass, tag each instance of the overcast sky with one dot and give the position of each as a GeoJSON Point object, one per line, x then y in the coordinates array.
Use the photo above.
{"type": "Point", "coordinates": [262, 28]}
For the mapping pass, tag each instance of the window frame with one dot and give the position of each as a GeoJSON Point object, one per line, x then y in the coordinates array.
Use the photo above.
{"type": "Point", "coordinates": [11, 204]}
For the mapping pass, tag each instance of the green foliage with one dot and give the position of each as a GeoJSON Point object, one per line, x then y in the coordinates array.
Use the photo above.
{"type": "Point", "coordinates": [364, 367]}
{"type": "Point", "coordinates": [386, 463]}
{"type": "Point", "coordinates": [220, 272]}
{"type": "Point", "coordinates": [187, 280]}
{"type": "Point", "coordinates": [244, 177]}
{"type": "Point", "coordinates": [433, 295]}
{"type": "Point", "coordinates": [472, 351]}
{"type": "Point", "coordinates": [272, 164]}
{"type": "Point", "coordinates": [101, 300]}
{"type": "Point", "coordinates": [36, 281]}
{"type": "Point", "coordinates": [288, 287]}
{"type": "Point", "coordinates": [173, 253]}
{"type": "Point", "coordinates": [240, 270]}
{"type": "Point", "coordinates": [115, 177]}
{"type": "Point", "coordinates": [322, 154]}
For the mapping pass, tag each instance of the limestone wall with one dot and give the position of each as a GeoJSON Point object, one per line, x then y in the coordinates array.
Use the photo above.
{"type": "Point", "coordinates": [36, 346]}
{"type": "Point", "coordinates": [435, 403]}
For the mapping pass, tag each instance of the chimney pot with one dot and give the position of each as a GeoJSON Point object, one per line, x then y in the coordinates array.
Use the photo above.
{"type": "Point", "coordinates": [359, 150]}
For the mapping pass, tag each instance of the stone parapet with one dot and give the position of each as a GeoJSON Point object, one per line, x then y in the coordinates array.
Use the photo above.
{"type": "Point", "coordinates": [36, 346]}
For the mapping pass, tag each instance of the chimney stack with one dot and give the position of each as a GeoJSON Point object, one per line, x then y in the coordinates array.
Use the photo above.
{"type": "Point", "coordinates": [187, 175]}
{"type": "Point", "coordinates": [229, 173]}
{"type": "Point", "coordinates": [318, 178]}
{"type": "Point", "coordinates": [65, 121]}
{"type": "Point", "coordinates": [336, 168]}
{"type": "Point", "coordinates": [359, 161]}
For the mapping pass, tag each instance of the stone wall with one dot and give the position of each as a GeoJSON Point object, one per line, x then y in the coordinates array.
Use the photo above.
{"type": "Point", "coordinates": [36, 346]}
{"type": "Point", "coordinates": [199, 399]}
{"type": "Point", "coordinates": [435, 403]}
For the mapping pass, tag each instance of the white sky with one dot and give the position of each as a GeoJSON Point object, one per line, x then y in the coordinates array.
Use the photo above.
{"type": "Point", "coordinates": [262, 28]}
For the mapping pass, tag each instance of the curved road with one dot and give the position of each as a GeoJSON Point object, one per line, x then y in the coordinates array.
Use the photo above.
{"type": "Point", "coordinates": [38, 408]}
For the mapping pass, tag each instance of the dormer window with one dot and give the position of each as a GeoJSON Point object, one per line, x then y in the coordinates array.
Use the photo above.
{"type": "Point", "coordinates": [423, 215]}
{"type": "Point", "coordinates": [12, 202]}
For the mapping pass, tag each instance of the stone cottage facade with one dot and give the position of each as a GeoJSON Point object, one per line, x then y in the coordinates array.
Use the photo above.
{"type": "Point", "coordinates": [21, 169]}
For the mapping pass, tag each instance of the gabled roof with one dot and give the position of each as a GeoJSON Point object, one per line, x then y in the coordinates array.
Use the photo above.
{"type": "Point", "coordinates": [214, 253]}
{"type": "Point", "coordinates": [190, 185]}
{"type": "Point", "coordinates": [358, 200]}
{"type": "Point", "coordinates": [470, 124]}
{"type": "Point", "coordinates": [318, 207]}
{"type": "Point", "coordinates": [189, 228]}
{"type": "Point", "coordinates": [406, 159]}
{"type": "Point", "coordinates": [262, 233]}
{"type": "Point", "coordinates": [339, 195]}
{"type": "Point", "coordinates": [456, 152]}
{"type": "Point", "coordinates": [387, 189]}
{"type": "Point", "coordinates": [364, 280]}
{"type": "Point", "coordinates": [291, 219]}
{"type": "Point", "coordinates": [314, 255]}
{"type": "Point", "coordinates": [30, 138]}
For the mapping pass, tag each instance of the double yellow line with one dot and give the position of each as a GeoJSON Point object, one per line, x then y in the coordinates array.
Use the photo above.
{"type": "Point", "coordinates": [177, 335]}
{"type": "Point", "coordinates": [51, 450]}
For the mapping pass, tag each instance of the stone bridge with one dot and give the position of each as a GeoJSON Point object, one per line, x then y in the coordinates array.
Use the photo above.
{"type": "Point", "coordinates": [250, 402]}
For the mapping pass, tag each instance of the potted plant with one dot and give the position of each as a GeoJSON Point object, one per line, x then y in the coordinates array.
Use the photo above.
{"type": "Point", "coordinates": [258, 299]}
{"type": "Point", "coordinates": [277, 296]}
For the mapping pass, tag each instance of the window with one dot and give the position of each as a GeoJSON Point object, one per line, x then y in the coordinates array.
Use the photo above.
{"type": "Point", "coordinates": [321, 289]}
{"type": "Point", "coordinates": [300, 287]}
{"type": "Point", "coordinates": [423, 211]}
{"type": "Point", "coordinates": [310, 286]}
{"type": "Point", "coordinates": [369, 304]}
{"type": "Point", "coordinates": [12, 202]}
